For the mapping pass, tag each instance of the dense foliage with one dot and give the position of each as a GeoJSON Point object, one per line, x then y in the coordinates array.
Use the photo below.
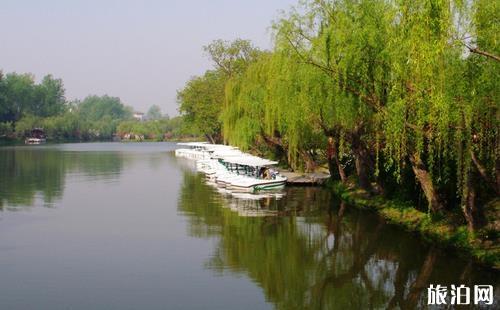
{"type": "Point", "coordinates": [92, 118]}
{"type": "Point", "coordinates": [20, 95]}
{"type": "Point", "coordinates": [25, 105]}
{"type": "Point", "coordinates": [392, 94]}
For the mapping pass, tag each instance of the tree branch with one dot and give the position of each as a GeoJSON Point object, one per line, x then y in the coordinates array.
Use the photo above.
{"type": "Point", "coordinates": [483, 53]}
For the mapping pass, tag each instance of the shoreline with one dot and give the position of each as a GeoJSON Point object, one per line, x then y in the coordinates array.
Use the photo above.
{"type": "Point", "coordinates": [10, 142]}
{"type": "Point", "coordinates": [440, 231]}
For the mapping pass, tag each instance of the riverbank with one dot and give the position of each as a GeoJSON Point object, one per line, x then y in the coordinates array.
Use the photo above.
{"type": "Point", "coordinates": [18, 141]}
{"type": "Point", "coordinates": [482, 245]}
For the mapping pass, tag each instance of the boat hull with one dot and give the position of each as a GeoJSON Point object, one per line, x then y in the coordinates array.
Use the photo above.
{"type": "Point", "coordinates": [34, 141]}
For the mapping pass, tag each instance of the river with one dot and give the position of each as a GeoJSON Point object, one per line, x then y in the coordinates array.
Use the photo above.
{"type": "Point", "coordinates": [130, 226]}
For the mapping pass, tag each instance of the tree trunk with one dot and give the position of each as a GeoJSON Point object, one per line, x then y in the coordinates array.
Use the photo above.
{"type": "Point", "coordinates": [342, 174]}
{"type": "Point", "coordinates": [361, 161]}
{"type": "Point", "coordinates": [424, 178]}
{"type": "Point", "coordinates": [497, 174]}
{"type": "Point", "coordinates": [469, 207]}
{"type": "Point", "coordinates": [334, 164]}
{"type": "Point", "coordinates": [308, 159]}
{"type": "Point", "coordinates": [210, 138]}
{"type": "Point", "coordinates": [362, 171]}
{"type": "Point", "coordinates": [275, 143]}
{"type": "Point", "coordinates": [495, 185]}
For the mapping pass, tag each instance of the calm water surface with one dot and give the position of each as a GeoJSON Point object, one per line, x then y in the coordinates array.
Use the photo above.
{"type": "Point", "coordinates": [129, 226]}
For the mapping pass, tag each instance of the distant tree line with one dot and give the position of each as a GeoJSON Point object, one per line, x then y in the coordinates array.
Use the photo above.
{"type": "Point", "coordinates": [25, 104]}
{"type": "Point", "coordinates": [399, 97]}
{"type": "Point", "coordinates": [155, 129]}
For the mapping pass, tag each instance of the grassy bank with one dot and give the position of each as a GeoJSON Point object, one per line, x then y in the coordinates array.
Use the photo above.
{"type": "Point", "coordinates": [445, 231]}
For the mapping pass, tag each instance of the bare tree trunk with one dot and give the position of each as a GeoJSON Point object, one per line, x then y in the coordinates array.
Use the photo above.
{"type": "Point", "coordinates": [424, 178]}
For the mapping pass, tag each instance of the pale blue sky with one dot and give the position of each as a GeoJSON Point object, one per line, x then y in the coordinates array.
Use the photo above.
{"type": "Point", "coordinates": [140, 51]}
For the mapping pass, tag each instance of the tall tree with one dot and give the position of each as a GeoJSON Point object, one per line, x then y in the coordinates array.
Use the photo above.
{"type": "Point", "coordinates": [201, 100]}
{"type": "Point", "coordinates": [154, 113]}
{"type": "Point", "coordinates": [49, 98]}
{"type": "Point", "coordinates": [19, 95]}
{"type": "Point", "coordinates": [94, 108]}
{"type": "Point", "coordinates": [232, 57]}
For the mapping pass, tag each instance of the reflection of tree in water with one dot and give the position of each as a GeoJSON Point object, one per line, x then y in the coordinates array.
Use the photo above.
{"type": "Point", "coordinates": [24, 172]}
{"type": "Point", "coordinates": [327, 257]}
{"type": "Point", "coordinates": [199, 202]}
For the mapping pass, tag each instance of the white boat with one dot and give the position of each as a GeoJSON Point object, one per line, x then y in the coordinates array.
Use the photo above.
{"type": "Point", "coordinates": [250, 174]}
{"type": "Point", "coordinates": [35, 140]}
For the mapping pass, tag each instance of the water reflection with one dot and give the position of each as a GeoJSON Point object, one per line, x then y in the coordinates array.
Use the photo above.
{"type": "Point", "coordinates": [31, 173]}
{"type": "Point", "coordinates": [311, 251]}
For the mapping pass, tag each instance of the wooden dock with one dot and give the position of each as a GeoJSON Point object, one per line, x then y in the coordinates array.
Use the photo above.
{"type": "Point", "coordinates": [297, 178]}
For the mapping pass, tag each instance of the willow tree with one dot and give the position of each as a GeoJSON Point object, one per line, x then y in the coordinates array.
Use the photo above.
{"type": "Point", "coordinates": [346, 42]}
{"type": "Point", "coordinates": [294, 91]}
{"type": "Point", "coordinates": [442, 111]}
{"type": "Point", "coordinates": [271, 104]}
{"type": "Point", "coordinates": [244, 106]}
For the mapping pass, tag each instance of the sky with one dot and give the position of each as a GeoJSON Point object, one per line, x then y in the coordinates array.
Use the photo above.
{"type": "Point", "coordinates": [139, 51]}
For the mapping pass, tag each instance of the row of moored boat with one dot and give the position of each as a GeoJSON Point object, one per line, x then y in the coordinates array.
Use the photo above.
{"type": "Point", "coordinates": [232, 169]}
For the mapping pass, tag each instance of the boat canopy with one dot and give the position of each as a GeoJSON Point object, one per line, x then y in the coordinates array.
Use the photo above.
{"type": "Point", "coordinates": [208, 146]}
{"type": "Point", "coordinates": [249, 160]}
{"type": "Point", "coordinates": [216, 147]}
{"type": "Point", "coordinates": [223, 153]}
